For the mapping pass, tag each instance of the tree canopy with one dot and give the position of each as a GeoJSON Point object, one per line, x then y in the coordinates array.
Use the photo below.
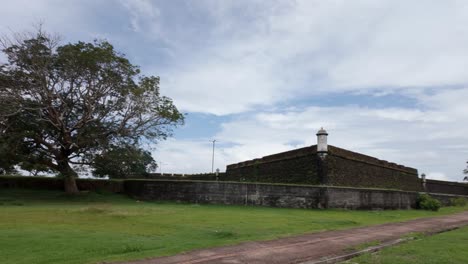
{"type": "Point", "coordinates": [124, 162]}
{"type": "Point", "coordinates": [62, 105]}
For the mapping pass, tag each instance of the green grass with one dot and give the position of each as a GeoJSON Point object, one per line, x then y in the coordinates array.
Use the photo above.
{"type": "Point", "coordinates": [449, 247]}
{"type": "Point", "coordinates": [50, 227]}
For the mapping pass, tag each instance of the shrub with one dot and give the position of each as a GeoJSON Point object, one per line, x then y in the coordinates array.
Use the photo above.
{"type": "Point", "coordinates": [426, 202]}
{"type": "Point", "coordinates": [459, 201]}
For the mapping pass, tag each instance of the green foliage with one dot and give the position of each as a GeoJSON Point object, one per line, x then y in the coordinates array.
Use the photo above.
{"type": "Point", "coordinates": [7, 169]}
{"type": "Point", "coordinates": [426, 202]}
{"type": "Point", "coordinates": [34, 167]}
{"type": "Point", "coordinates": [7, 159]}
{"type": "Point", "coordinates": [124, 162]}
{"type": "Point", "coordinates": [63, 105]}
{"type": "Point", "coordinates": [94, 228]}
{"type": "Point", "coordinates": [459, 201]}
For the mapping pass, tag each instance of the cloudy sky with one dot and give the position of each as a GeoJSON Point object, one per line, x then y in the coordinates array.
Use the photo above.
{"type": "Point", "coordinates": [385, 78]}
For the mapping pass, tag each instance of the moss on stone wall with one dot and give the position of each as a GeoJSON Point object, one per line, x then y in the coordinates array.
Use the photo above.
{"type": "Point", "coordinates": [340, 168]}
{"type": "Point", "coordinates": [348, 172]}
{"type": "Point", "coordinates": [347, 168]}
{"type": "Point", "coordinates": [296, 166]}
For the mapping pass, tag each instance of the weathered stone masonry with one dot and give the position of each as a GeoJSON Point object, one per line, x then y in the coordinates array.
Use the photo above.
{"type": "Point", "coordinates": [274, 195]}
{"type": "Point", "coordinates": [339, 168]}
{"type": "Point", "coordinates": [323, 164]}
{"type": "Point", "coordinates": [299, 166]}
{"type": "Point", "coordinates": [346, 168]}
{"type": "Point", "coordinates": [218, 192]}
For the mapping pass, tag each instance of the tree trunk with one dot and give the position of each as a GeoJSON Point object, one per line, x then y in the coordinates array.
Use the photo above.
{"type": "Point", "coordinates": [69, 178]}
{"type": "Point", "coordinates": [70, 185]}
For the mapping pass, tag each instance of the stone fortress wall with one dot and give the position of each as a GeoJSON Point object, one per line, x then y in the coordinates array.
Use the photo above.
{"type": "Point", "coordinates": [347, 168]}
{"type": "Point", "coordinates": [299, 166]}
{"type": "Point", "coordinates": [333, 166]}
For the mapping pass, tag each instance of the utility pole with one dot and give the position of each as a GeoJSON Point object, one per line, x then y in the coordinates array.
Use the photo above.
{"type": "Point", "coordinates": [160, 167]}
{"type": "Point", "coordinates": [212, 157]}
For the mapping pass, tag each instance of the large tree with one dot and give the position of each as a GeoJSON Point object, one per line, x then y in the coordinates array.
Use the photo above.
{"type": "Point", "coordinates": [62, 105]}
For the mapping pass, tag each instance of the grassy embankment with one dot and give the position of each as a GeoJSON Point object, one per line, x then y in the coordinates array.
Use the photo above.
{"type": "Point", "coordinates": [50, 227]}
{"type": "Point", "coordinates": [444, 248]}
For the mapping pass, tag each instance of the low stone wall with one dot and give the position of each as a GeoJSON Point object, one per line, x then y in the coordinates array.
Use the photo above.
{"type": "Point", "coordinates": [446, 199]}
{"type": "Point", "coordinates": [434, 186]}
{"type": "Point", "coordinates": [274, 195]}
{"type": "Point", "coordinates": [49, 183]}
{"type": "Point", "coordinates": [353, 198]}
{"type": "Point", "coordinates": [236, 193]}
{"type": "Point", "coordinates": [225, 193]}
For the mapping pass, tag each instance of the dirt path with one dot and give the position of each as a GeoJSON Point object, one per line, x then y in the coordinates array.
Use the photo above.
{"type": "Point", "coordinates": [310, 248]}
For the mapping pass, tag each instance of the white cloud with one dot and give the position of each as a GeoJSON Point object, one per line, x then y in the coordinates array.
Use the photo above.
{"type": "Point", "coordinates": [410, 45]}
{"type": "Point", "coordinates": [438, 176]}
{"type": "Point", "coordinates": [223, 88]}
{"type": "Point", "coordinates": [232, 56]}
{"type": "Point", "coordinates": [255, 57]}
{"type": "Point", "coordinates": [436, 146]}
{"type": "Point", "coordinates": [144, 16]}
{"type": "Point", "coordinates": [264, 52]}
{"type": "Point", "coordinates": [70, 19]}
{"type": "Point", "coordinates": [189, 156]}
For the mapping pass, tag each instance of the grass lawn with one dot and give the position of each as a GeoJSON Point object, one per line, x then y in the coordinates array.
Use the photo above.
{"type": "Point", "coordinates": [449, 247]}
{"type": "Point", "coordinates": [50, 227]}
